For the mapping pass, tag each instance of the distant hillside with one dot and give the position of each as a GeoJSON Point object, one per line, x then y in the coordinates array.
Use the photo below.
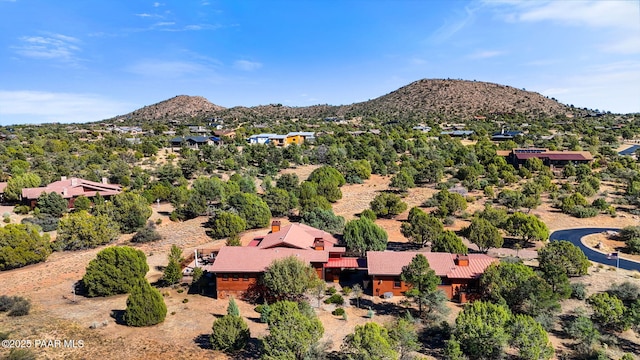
{"type": "Point", "coordinates": [428, 98]}
{"type": "Point", "coordinates": [458, 98]}
{"type": "Point", "coordinates": [181, 107]}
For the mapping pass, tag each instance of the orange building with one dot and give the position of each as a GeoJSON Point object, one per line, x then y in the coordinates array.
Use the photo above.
{"type": "Point", "coordinates": [459, 274]}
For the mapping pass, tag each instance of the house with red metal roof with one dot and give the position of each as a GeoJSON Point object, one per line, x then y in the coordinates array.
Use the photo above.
{"type": "Point", "coordinates": [459, 274]}
{"type": "Point", "coordinates": [517, 157]}
{"type": "Point", "coordinates": [238, 268]}
{"type": "Point", "coordinates": [71, 189]}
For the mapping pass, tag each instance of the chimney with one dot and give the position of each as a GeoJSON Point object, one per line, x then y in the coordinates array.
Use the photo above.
{"type": "Point", "coordinates": [104, 180]}
{"type": "Point", "coordinates": [462, 260]}
{"type": "Point", "coordinates": [63, 178]}
{"type": "Point", "coordinates": [64, 192]}
{"type": "Point", "coordinates": [275, 226]}
{"type": "Point", "coordinates": [74, 181]}
{"type": "Point", "coordinates": [318, 244]}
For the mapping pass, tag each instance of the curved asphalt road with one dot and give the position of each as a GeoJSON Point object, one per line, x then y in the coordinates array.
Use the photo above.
{"type": "Point", "coordinates": [574, 236]}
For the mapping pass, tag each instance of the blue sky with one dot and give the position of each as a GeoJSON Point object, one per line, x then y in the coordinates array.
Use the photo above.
{"type": "Point", "coordinates": [79, 61]}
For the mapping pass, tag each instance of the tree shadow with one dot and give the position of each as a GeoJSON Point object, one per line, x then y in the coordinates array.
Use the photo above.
{"type": "Point", "coordinates": [252, 351]}
{"type": "Point", "coordinates": [118, 316]}
{"type": "Point", "coordinates": [402, 246]}
{"type": "Point", "coordinates": [80, 289]}
{"type": "Point", "coordinates": [628, 346]}
{"type": "Point", "coordinates": [383, 308]}
{"type": "Point", "coordinates": [203, 341]}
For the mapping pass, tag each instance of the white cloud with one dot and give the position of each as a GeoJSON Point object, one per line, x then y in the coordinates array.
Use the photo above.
{"type": "Point", "coordinates": [157, 4]}
{"type": "Point", "coordinates": [164, 23]}
{"type": "Point", "coordinates": [52, 46]}
{"type": "Point", "coordinates": [603, 14]}
{"type": "Point", "coordinates": [451, 27]}
{"type": "Point", "coordinates": [246, 65]}
{"type": "Point", "coordinates": [611, 87]}
{"type": "Point", "coordinates": [618, 18]}
{"type": "Point", "coordinates": [486, 54]}
{"type": "Point", "coordinates": [26, 106]}
{"type": "Point", "coordinates": [167, 69]}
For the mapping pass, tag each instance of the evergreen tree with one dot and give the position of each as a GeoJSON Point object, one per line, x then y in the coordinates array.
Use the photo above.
{"type": "Point", "coordinates": [114, 271]}
{"type": "Point", "coordinates": [233, 309]}
{"type": "Point", "coordinates": [145, 305]}
{"type": "Point", "coordinates": [230, 334]}
{"type": "Point", "coordinates": [369, 341]}
{"type": "Point", "coordinates": [362, 235]}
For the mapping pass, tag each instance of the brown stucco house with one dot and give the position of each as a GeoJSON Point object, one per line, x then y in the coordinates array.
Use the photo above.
{"type": "Point", "coordinates": [459, 274]}
{"type": "Point", "coordinates": [71, 189]}
{"type": "Point", "coordinates": [238, 268]}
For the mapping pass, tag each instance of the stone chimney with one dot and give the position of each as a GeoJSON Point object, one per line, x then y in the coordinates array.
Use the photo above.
{"type": "Point", "coordinates": [318, 244]}
{"type": "Point", "coordinates": [462, 260]}
{"type": "Point", "coordinates": [63, 178]}
{"type": "Point", "coordinates": [275, 226]}
{"type": "Point", "coordinates": [104, 180]}
{"type": "Point", "coordinates": [65, 192]}
{"type": "Point", "coordinates": [74, 181]}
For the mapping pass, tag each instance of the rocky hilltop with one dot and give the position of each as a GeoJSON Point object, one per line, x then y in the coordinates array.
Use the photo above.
{"type": "Point", "coordinates": [177, 108]}
{"type": "Point", "coordinates": [427, 98]}
{"type": "Point", "coordinates": [458, 98]}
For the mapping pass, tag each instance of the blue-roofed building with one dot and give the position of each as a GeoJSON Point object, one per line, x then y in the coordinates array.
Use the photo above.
{"type": "Point", "coordinates": [504, 135]}
{"type": "Point", "coordinates": [458, 133]}
{"type": "Point", "coordinates": [194, 142]}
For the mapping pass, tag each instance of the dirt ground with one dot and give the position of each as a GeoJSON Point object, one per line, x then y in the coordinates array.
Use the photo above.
{"type": "Point", "coordinates": [56, 316]}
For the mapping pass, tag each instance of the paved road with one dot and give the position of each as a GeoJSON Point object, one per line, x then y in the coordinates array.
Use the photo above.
{"type": "Point", "coordinates": [574, 235]}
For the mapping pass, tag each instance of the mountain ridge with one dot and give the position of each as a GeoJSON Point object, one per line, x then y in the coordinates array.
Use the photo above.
{"type": "Point", "coordinates": [445, 99]}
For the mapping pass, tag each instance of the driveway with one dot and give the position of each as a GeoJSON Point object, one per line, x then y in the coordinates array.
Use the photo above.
{"type": "Point", "coordinates": [574, 236]}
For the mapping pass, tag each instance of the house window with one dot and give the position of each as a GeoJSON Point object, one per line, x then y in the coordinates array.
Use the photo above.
{"type": "Point", "coordinates": [235, 277]}
{"type": "Point", "coordinates": [397, 284]}
{"type": "Point", "coordinates": [245, 277]}
{"type": "Point", "coordinates": [225, 277]}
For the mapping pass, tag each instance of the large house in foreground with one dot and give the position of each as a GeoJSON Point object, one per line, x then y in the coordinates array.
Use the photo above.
{"type": "Point", "coordinates": [238, 268]}
{"type": "Point", "coordinates": [459, 274]}
{"type": "Point", "coordinates": [71, 189]}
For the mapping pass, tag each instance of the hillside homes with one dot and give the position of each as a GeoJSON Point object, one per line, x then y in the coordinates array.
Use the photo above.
{"type": "Point", "coordinates": [459, 274]}
{"type": "Point", "coordinates": [70, 189]}
{"type": "Point", "coordinates": [297, 137]}
{"type": "Point", "coordinates": [517, 157]}
{"type": "Point", "coordinates": [237, 269]}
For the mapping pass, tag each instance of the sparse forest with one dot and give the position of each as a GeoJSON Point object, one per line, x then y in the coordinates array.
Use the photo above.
{"type": "Point", "coordinates": [231, 187]}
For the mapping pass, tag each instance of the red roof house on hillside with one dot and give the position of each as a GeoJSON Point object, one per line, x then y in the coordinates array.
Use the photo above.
{"type": "Point", "coordinates": [237, 268]}
{"type": "Point", "coordinates": [70, 189]}
{"type": "Point", "coordinates": [459, 274]}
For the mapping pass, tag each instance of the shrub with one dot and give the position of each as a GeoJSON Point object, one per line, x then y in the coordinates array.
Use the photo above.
{"type": "Point", "coordinates": [147, 234]}
{"type": "Point", "coordinates": [335, 299]}
{"type": "Point", "coordinates": [82, 230]}
{"type": "Point", "coordinates": [346, 290]}
{"type": "Point", "coordinates": [21, 354]}
{"type": "Point", "coordinates": [145, 305]}
{"type": "Point", "coordinates": [15, 305]}
{"type": "Point", "coordinates": [338, 312]}
{"type": "Point", "coordinates": [20, 307]}
{"type": "Point", "coordinates": [21, 209]}
{"type": "Point", "coordinates": [114, 270]}
{"type": "Point", "coordinates": [22, 245]}
{"type": "Point", "coordinates": [230, 333]}
{"type": "Point", "coordinates": [627, 291]}
{"type": "Point", "coordinates": [332, 290]}
{"type": "Point", "coordinates": [226, 224]}
{"type": "Point", "coordinates": [46, 222]}
{"type": "Point", "coordinates": [584, 212]}
{"type": "Point", "coordinates": [578, 291]}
